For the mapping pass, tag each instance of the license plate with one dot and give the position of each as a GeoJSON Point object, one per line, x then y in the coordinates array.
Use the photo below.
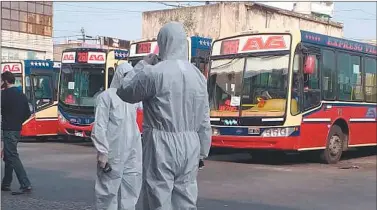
{"type": "Point", "coordinates": [79, 134]}
{"type": "Point", "coordinates": [253, 130]}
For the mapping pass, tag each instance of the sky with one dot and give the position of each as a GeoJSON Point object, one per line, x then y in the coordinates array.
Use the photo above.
{"type": "Point", "coordinates": [123, 19]}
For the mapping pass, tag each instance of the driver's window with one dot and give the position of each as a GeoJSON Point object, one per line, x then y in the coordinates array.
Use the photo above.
{"type": "Point", "coordinates": [295, 93]}
{"type": "Point", "coordinates": [43, 87]}
{"type": "Point", "coordinates": [43, 91]}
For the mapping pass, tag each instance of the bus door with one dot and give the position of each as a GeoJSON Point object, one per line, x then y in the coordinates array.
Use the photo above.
{"type": "Point", "coordinates": [56, 72]}
{"type": "Point", "coordinates": [200, 53]}
{"type": "Point", "coordinates": [202, 65]}
{"type": "Point", "coordinates": [40, 91]}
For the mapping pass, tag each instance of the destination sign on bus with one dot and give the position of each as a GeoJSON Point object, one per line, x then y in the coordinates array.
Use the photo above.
{"type": "Point", "coordinates": [91, 57]}
{"type": "Point", "coordinates": [143, 48]}
{"type": "Point", "coordinates": [251, 44]}
{"type": "Point", "coordinates": [69, 57]}
{"type": "Point", "coordinates": [15, 68]}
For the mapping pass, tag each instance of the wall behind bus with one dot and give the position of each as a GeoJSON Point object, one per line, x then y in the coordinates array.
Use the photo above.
{"type": "Point", "coordinates": [226, 18]}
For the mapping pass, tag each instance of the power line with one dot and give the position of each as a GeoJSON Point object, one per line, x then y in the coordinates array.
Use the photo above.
{"type": "Point", "coordinates": [12, 40]}
{"type": "Point", "coordinates": [93, 12]}
{"type": "Point", "coordinates": [112, 9]}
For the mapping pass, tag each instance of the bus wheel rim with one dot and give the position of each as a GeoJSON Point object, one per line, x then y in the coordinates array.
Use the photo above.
{"type": "Point", "coordinates": [335, 145]}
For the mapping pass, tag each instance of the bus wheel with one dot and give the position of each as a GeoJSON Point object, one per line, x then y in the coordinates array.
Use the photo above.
{"type": "Point", "coordinates": [334, 147]}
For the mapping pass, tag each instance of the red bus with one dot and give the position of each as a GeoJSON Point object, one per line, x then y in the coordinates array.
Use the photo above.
{"type": "Point", "coordinates": [293, 91]}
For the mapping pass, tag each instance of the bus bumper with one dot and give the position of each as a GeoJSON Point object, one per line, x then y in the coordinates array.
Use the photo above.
{"type": "Point", "coordinates": [258, 142]}
{"type": "Point", "coordinates": [39, 127]}
{"type": "Point", "coordinates": [74, 130]}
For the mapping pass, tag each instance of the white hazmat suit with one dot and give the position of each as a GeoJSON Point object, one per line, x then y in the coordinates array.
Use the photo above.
{"type": "Point", "coordinates": [117, 139]}
{"type": "Point", "coordinates": [176, 126]}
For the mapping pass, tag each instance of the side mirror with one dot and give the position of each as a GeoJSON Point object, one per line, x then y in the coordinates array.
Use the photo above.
{"type": "Point", "coordinates": [309, 65]}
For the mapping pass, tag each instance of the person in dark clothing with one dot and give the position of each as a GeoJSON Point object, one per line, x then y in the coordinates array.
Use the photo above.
{"type": "Point", "coordinates": [14, 112]}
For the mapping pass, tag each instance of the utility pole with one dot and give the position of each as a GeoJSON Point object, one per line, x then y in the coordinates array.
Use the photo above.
{"type": "Point", "coordinates": [83, 34]}
{"type": "Point", "coordinates": [86, 37]}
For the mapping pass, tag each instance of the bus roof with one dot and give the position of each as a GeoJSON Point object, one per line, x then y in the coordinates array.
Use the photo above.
{"type": "Point", "coordinates": [42, 64]}
{"type": "Point", "coordinates": [197, 42]}
{"type": "Point", "coordinates": [75, 49]}
{"type": "Point", "coordinates": [333, 42]}
{"type": "Point", "coordinates": [120, 54]}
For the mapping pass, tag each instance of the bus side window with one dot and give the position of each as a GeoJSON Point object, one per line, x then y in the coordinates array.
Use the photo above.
{"type": "Point", "coordinates": [349, 77]}
{"type": "Point", "coordinates": [329, 79]}
{"type": "Point", "coordinates": [370, 69]}
{"type": "Point", "coordinates": [295, 94]}
{"type": "Point", "coordinates": [312, 90]}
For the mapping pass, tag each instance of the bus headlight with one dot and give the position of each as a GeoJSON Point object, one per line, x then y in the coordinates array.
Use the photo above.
{"type": "Point", "coordinates": [278, 132]}
{"type": "Point", "coordinates": [61, 118]}
{"type": "Point", "coordinates": [215, 132]}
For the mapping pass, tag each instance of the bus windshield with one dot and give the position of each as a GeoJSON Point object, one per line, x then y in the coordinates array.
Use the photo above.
{"type": "Point", "coordinates": [79, 86]}
{"type": "Point", "coordinates": [251, 86]}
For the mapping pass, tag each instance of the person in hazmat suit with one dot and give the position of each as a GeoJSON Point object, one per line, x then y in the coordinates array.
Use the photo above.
{"type": "Point", "coordinates": [117, 139]}
{"type": "Point", "coordinates": [176, 125]}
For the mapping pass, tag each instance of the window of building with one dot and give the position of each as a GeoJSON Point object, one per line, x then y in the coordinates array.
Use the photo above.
{"type": "Point", "coordinates": [23, 16]}
{"type": "Point", "coordinates": [5, 24]}
{"type": "Point", "coordinates": [14, 15]}
{"type": "Point", "coordinates": [329, 79]}
{"type": "Point", "coordinates": [23, 6]}
{"type": "Point", "coordinates": [23, 27]}
{"type": "Point", "coordinates": [47, 31]}
{"type": "Point", "coordinates": [370, 80]}
{"type": "Point", "coordinates": [5, 4]}
{"type": "Point", "coordinates": [31, 7]}
{"type": "Point", "coordinates": [14, 25]}
{"type": "Point", "coordinates": [5, 13]}
{"type": "Point", "coordinates": [15, 5]}
{"type": "Point", "coordinates": [31, 18]}
{"type": "Point", "coordinates": [31, 28]}
{"type": "Point", "coordinates": [48, 21]}
{"type": "Point", "coordinates": [39, 19]}
{"type": "Point", "coordinates": [349, 77]}
{"type": "Point", "coordinates": [39, 29]}
{"type": "Point", "coordinates": [39, 8]}
{"type": "Point", "coordinates": [47, 10]}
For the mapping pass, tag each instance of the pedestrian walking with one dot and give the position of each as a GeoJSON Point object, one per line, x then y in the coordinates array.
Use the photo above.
{"type": "Point", "coordinates": [14, 112]}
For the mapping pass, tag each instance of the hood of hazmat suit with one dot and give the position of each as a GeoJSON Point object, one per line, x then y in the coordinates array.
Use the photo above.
{"type": "Point", "coordinates": [176, 126]}
{"type": "Point", "coordinates": [116, 135]}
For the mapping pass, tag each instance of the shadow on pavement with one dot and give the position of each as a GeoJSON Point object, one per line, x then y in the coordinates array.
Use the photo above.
{"type": "Point", "coordinates": [280, 158]}
{"type": "Point", "coordinates": [221, 204]}
{"type": "Point", "coordinates": [56, 190]}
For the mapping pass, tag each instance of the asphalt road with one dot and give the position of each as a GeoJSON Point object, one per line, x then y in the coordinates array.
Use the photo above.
{"type": "Point", "coordinates": [63, 178]}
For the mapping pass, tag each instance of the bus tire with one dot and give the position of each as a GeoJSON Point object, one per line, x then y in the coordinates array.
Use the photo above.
{"type": "Point", "coordinates": [334, 146]}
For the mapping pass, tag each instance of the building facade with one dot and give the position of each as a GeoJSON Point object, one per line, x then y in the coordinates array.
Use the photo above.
{"type": "Point", "coordinates": [26, 30]}
{"type": "Point", "coordinates": [226, 18]}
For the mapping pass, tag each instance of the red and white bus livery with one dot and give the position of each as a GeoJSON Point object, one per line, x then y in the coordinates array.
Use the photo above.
{"type": "Point", "coordinates": [293, 91]}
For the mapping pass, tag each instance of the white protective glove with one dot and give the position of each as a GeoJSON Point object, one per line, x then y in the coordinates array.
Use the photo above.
{"type": "Point", "coordinates": [151, 59]}
{"type": "Point", "coordinates": [102, 159]}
